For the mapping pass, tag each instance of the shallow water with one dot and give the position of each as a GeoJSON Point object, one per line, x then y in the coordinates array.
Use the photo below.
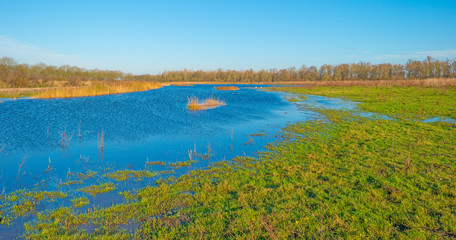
{"type": "Point", "coordinates": [137, 127]}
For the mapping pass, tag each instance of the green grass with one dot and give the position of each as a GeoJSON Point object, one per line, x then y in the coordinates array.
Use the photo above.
{"type": "Point", "coordinates": [23, 202]}
{"type": "Point", "coordinates": [123, 175]}
{"type": "Point", "coordinates": [97, 189]}
{"type": "Point", "coordinates": [341, 177]}
{"type": "Point", "coordinates": [80, 202]}
{"type": "Point", "coordinates": [408, 102]}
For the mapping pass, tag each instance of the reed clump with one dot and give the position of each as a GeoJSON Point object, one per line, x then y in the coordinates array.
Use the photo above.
{"type": "Point", "coordinates": [227, 88]}
{"type": "Point", "coordinates": [194, 104]}
{"type": "Point", "coordinates": [98, 88]}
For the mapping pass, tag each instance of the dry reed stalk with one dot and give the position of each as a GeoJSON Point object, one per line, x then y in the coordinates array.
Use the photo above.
{"type": "Point", "coordinates": [65, 139]}
{"type": "Point", "coordinates": [49, 166]}
{"type": "Point", "coordinates": [190, 154]}
{"type": "Point", "coordinates": [20, 167]}
{"type": "Point", "coordinates": [101, 139]}
{"type": "Point", "coordinates": [79, 131]}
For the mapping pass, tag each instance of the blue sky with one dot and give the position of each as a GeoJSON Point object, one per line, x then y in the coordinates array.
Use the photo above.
{"type": "Point", "coordinates": [153, 36]}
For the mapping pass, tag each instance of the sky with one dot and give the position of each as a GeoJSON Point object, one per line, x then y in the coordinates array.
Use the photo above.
{"type": "Point", "coordinates": [153, 36]}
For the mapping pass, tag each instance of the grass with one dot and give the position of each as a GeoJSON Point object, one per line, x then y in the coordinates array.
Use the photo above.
{"type": "Point", "coordinates": [123, 175]}
{"type": "Point", "coordinates": [344, 176]}
{"type": "Point", "coordinates": [227, 88]}
{"type": "Point", "coordinates": [86, 175]}
{"type": "Point", "coordinates": [178, 165]}
{"type": "Point", "coordinates": [97, 189]}
{"type": "Point", "coordinates": [79, 202]}
{"type": "Point", "coordinates": [405, 102]}
{"type": "Point", "coordinates": [23, 202]}
{"type": "Point", "coordinates": [194, 104]}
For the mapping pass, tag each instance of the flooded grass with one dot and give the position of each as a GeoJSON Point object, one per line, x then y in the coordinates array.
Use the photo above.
{"type": "Point", "coordinates": [23, 202]}
{"type": "Point", "coordinates": [79, 202]}
{"type": "Point", "coordinates": [97, 189]}
{"type": "Point", "coordinates": [158, 163]}
{"type": "Point", "coordinates": [123, 175]}
{"type": "Point", "coordinates": [178, 165]}
{"type": "Point", "coordinates": [86, 175]}
{"type": "Point", "coordinates": [227, 88]}
{"type": "Point", "coordinates": [194, 104]}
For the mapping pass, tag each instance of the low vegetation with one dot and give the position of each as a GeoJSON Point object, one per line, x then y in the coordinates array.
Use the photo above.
{"type": "Point", "coordinates": [194, 104]}
{"type": "Point", "coordinates": [97, 189]}
{"type": "Point", "coordinates": [227, 88]}
{"type": "Point", "coordinates": [99, 88]}
{"type": "Point", "coordinates": [123, 175]}
{"type": "Point", "coordinates": [80, 202]}
{"type": "Point", "coordinates": [23, 202]}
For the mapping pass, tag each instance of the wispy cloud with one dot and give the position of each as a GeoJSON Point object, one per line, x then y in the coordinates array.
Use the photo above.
{"type": "Point", "coordinates": [451, 53]}
{"type": "Point", "coordinates": [28, 53]}
{"type": "Point", "coordinates": [440, 54]}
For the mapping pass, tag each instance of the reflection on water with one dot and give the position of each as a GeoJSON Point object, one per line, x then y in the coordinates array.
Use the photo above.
{"type": "Point", "coordinates": [46, 142]}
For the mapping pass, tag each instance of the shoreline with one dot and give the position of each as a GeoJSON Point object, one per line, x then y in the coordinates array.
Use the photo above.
{"type": "Point", "coordinates": [34, 92]}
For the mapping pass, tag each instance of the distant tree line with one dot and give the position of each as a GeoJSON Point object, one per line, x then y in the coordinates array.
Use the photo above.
{"type": "Point", "coordinates": [13, 74]}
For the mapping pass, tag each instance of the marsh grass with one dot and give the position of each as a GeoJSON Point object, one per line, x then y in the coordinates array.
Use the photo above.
{"type": "Point", "coordinates": [194, 104]}
{"type": "Point", "coordinates": [98, 88]}
{"type": "Point", "coordinates": [23, 202]}
{"type": "Point", "coordinates": [178, 165]}
{"type": "Point", "coordinates": [79, 202]}
{"type": "Point", "coordinates": [158, 163]}
{"type": "Point", "coordinates": [123, 175]}
{"type": "Point", "coordinates": [227, 88]}
{"type": "Point", "coordinates": [86, 175]}
{"type": "Point", "coordinates": [97, 189]}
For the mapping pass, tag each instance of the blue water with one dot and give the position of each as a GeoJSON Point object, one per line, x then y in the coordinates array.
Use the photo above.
{"type": "Point", "coordinates": [153, 125]}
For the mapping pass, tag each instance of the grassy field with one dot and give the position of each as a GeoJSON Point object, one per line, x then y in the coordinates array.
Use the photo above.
{"type": "Point", "coordinates": [341, 177]}
{"type": "Point", "coordinates": [394, 101]}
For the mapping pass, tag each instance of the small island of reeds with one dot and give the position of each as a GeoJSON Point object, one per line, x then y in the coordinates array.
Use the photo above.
{"type": "Point", "coordinates": [227, 88]}
{"type": "Point", "coordinates": [194, 104]}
